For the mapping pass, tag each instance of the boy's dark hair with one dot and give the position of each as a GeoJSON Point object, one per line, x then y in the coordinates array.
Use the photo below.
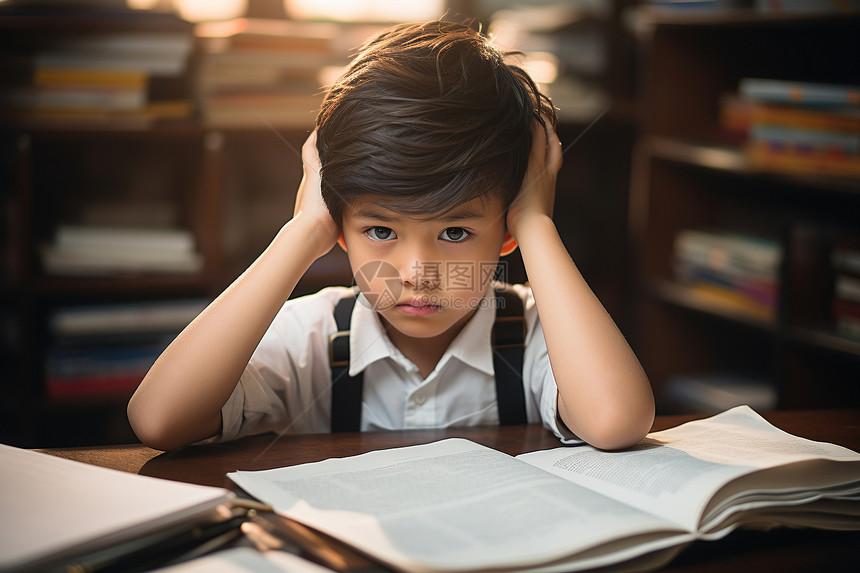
{"type": "Point", "coordinates": [431, 116]}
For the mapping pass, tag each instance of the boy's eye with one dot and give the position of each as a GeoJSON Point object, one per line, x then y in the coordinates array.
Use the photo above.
{"type": "Point", "coordinates": [455, 234]}
{"type": "Point", "coordinates": [380, 234]}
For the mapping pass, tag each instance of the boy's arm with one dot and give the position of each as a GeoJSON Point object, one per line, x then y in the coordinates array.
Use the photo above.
{"type": "Point", "coordinates": [604, 396]}
{"type": "Point", "coordinates": [180, 399]}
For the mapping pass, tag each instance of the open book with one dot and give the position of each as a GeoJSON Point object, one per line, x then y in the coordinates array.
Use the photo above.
{"type": "Point", "coordinates": [454, 505]}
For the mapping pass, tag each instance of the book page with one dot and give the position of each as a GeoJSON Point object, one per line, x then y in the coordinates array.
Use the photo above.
{"type": "Point", "coordinates": [455, 505]}
{"type": "Point", "coordinates": [56, 508]}
{"type": "Point", "coordinates": [676, 473]}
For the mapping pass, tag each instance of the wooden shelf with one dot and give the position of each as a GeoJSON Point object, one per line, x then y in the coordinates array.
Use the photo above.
{"type": "Point", "coordinates": [826, 339]}
{"type": "Point", "coordinates": [708, 156]}
{"type": "Point", "coordinates": [128, 284]}
{"type": "Point", "coordinates": [70, 19]}
{"type": "Point", "coordinates": [821, 337]}
{"type": "Point", "coordinates": [87, 130]}
{"type": "Point", "coordinates": [686, 297]}
{"type": "Point", "coordinates": [734, 161]}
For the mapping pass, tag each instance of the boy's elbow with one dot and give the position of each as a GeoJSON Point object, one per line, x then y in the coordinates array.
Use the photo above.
{"type": "Point", "coordinates": [624, 433]}
{"type": "Point", "coordinates": [616, 427]}
{"type": "Point", "coordinates": [626, 422]}
{"type": "Point", "coordinates": [619, 434]}
{"type": "Point", "coordinates": [151, 429]}
{"type": "Point", "coordinates": [146, 431]}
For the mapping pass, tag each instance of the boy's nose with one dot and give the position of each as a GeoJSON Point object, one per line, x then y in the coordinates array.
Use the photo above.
{"type": "Point", "coordinates": [421, 272]}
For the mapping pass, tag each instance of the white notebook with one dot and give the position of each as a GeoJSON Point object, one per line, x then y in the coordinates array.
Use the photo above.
{"type": "Point", "coordinates": [53, 509]}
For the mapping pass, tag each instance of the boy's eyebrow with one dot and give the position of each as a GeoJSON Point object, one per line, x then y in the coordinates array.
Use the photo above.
{"type": "Point", "coordinates": [458, 215]}
{"type": "Point", "coordinates": [370, 213]}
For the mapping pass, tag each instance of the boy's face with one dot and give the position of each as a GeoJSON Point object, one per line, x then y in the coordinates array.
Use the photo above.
{"type": "Point", "coordinates": [425, 276]}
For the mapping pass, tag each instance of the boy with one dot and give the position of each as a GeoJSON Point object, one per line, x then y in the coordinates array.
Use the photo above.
{"type": "Point", "coordinates": [430, 156]}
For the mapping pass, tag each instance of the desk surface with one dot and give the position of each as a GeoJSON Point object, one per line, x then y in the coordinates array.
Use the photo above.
{"type": "Point", "coordinates": [779, 550]}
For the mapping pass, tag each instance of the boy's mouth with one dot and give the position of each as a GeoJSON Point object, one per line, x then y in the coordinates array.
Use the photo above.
{"type": "Point", "coordinates": [418, 307]}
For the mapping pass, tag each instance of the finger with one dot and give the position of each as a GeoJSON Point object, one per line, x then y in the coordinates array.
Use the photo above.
{"type": "Point", "coordinates": [310, 154]}
{"type": "Point", "coordinates": [546, 148]}
{"type": "Point", "coordinates": [539, 141]}
{"type": "Point", "coordinates": [553, 145]}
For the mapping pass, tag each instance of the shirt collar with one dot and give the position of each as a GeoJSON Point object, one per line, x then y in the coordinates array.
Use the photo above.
{"type": "Point", "coordinates": [473, 345]}
{"type": "Point", "coordinates": [368, 341]}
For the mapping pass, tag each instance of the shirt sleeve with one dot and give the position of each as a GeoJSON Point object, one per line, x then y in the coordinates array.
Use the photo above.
{"type": "Point", "coordinates": [285, 386]}
{"type": "Point", "coordinates": [537, 373]}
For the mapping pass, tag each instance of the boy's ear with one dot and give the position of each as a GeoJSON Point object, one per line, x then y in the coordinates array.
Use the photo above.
{"type": "Point", "coordinates": [509, 244]}
{"type": "Point", "coordinates": [341, 242]}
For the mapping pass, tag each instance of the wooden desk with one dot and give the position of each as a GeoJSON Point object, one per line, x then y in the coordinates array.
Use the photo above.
{"type": "Point", "coordinates": [778, 550]}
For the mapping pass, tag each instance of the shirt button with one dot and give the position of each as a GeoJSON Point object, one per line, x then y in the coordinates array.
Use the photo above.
{"type": "Point", "coordinates": [420, 399]}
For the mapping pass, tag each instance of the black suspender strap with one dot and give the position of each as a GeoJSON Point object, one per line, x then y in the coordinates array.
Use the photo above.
{"type": "Point", "coordinates": [346, 390]}
{"type": "Point", "coordinates": [508, 346]}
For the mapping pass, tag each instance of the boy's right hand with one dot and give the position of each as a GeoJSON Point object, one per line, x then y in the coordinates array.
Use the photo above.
{"type": "Point", "coordinates": [309, 201]}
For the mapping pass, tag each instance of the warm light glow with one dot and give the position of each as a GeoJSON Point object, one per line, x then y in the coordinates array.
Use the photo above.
{"type": "Point", "coordinates": [207, 10]}
{"type": "Point", "coordinates": [542, 67]}
{"type": "Point", "coordinates": [365, 10]}
{"type": "Point", "coordinates": [142, 4]}
{"type": "Point", "coordinates": [221, 29]}
{"type": "Point", "coordinates": [330, 74]}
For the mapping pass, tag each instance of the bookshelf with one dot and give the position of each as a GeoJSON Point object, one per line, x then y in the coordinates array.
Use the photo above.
{"type": "Point", "coordinates": [689, 173]}
{"type": "Point", "coordinates": [228, 189]}
{"type": "Point", "coordinates": [59, 178]}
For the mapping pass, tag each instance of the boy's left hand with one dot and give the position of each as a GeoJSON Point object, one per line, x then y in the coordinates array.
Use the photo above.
{"type": "Point", "coordinates": [537, 193]}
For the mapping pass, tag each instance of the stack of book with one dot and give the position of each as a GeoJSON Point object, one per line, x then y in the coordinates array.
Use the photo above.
{"type": "Point", "coordinates": [736, 272]}
{"type": "Point", "coordinates": [107, 349]}
{"type": "Point", "coordinates": [846, 297]}
{"type": "Point", "coordinates": [563, 47]}
{"type": "Point", "coordinates": [256, 72]}
{"type": "Point", "coordinates": [94, 66]}
{"type": "Point", "coordinates": [99, 251]}
{"type": "Point", "coordinates": [805, 128]}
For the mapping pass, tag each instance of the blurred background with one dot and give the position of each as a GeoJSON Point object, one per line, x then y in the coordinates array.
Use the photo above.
{"type": "Point", "coordinates": [710, 192]}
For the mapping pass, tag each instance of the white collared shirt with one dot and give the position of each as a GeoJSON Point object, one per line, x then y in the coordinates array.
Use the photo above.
{"type": "Point", "coordinates": [286, 386]}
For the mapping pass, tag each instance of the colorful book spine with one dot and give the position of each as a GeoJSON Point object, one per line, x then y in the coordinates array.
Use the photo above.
{"type": "Point", "coordinates": [797, 127]}
{"type": "Point", "coordinates": [780, 157]}
{"type": "Point", "coordinates": [91, 371]}
{"type": "Point", "coordinates": [112, 73]}
{"type": "Point", "coordinates": [91, 386]}
{"type": "Point", "coordinates": [730, 271]}
{"type": "Point", "coordinates": [108, 349]}
{"type": "Point", "coordinates": [800, 93]}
